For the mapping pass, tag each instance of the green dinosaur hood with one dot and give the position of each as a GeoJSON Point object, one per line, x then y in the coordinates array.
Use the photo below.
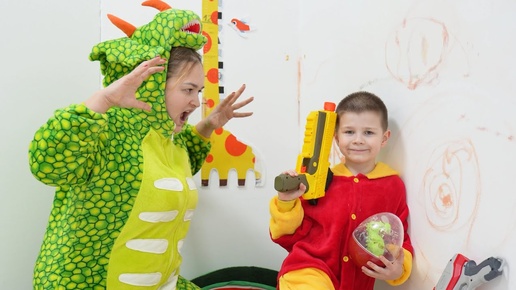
{"type": "Point", "coordinates": [169, 28]}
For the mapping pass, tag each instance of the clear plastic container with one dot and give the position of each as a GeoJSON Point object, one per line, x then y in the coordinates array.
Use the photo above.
{"type": "Point", "coordinates": [379, 234]}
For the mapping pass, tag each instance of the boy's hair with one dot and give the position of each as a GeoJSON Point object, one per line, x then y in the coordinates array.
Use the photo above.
{"type": "Point", "coordinates": [363, 102]}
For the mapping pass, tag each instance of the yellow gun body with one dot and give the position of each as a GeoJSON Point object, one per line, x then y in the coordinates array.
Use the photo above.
{"type": "Point", "coordinates": [313, 162]}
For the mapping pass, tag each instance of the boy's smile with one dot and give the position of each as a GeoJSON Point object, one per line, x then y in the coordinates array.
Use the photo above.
{"type": "Point", "coordinates": [360, 137]}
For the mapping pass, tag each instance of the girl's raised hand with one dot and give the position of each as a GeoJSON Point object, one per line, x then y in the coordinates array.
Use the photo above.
{"type": "Point", "coordinates": [223, 112]}
{"type": "Point", "coordinates": [121, 93]}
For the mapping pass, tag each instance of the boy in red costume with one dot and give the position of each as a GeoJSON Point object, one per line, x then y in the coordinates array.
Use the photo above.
{"type": "Point", "coordinates": [316, 237]}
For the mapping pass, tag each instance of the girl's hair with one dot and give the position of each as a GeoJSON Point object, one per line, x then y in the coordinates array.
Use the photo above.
{"type": "Point", "coordinates": [181, 60]}
{"type": "Point", "coordinates": [363, 102]}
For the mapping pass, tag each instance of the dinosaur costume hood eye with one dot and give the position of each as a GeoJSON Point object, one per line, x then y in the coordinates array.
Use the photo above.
{"type": "Point", "coordinates": [169, 28]}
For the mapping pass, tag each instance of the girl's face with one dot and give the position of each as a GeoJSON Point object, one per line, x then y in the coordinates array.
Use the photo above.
{"type": "Point", "coordinates": [182, 94]}
{"type": "Point", "coordinates": [360, 137]}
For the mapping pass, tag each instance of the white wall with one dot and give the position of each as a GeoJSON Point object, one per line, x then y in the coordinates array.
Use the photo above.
{"type": "Point", "coordinates": [44, 57]}
{"type": "Point", "coordinates": [443, 68]}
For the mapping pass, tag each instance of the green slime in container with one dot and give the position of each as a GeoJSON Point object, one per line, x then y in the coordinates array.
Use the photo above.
{"type": "Point", "coordinates": [375, 232]}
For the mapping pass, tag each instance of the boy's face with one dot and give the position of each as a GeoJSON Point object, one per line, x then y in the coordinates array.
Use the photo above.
{"type": "Point", "coordinates": [360, 137]}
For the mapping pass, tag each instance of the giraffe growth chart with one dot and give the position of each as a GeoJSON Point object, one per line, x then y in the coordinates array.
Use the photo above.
{"type": "Point", "coordinates": [227, 152]}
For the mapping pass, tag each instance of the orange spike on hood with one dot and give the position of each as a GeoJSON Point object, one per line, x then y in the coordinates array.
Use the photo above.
{"type": "Point", "coordinates": [158, 4]}
{"type": "Point", "coordinates": [125, 26]}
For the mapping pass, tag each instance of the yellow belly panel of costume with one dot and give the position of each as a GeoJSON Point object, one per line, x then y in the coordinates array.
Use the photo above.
{"type": "Point", "coordinates": [146, 254]}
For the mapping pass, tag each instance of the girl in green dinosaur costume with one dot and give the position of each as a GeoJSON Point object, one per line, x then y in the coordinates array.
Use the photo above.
{"type": "Point", "coordinates": [122, 162]}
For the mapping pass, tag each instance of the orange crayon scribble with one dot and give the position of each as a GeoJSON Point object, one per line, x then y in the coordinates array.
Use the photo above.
{"type": "Point", "coordinates": [450, 195]}
{"type": "Point", "coordinates": [416, 51]}
{"type": "Point", "coordinates": [445, 196]}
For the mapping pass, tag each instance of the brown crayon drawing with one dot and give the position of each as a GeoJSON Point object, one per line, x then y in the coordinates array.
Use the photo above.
{"type": "Point", "coordinates": [451, 186]}
{"type": "Point", "coordinates": [414, 54]}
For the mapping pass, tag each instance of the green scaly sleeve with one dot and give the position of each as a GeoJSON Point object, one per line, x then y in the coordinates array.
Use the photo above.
{"type": "Point", "coordinates": [63, 151]}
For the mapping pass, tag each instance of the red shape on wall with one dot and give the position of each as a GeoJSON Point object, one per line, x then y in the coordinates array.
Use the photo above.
{"type": "Point", "coordinates": [213, 75]}
{"type": "Point", "coordinates": [207, 46]}
{"type": "Point", "coordinates": [215, 17]}
{"type": "Point", "coordinates": [235, 147]}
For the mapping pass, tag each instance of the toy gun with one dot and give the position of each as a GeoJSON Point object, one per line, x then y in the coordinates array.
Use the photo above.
{"type": "Point", "coordinates": [313, 165]}
{"type": "Point", "coordinates": [462, 273]}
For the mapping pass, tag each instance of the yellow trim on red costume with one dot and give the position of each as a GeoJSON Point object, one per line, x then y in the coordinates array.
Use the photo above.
{"type": "Point", "coordinates": [289, 215]}
{"type": "Point", "coordinates": [380, 170]}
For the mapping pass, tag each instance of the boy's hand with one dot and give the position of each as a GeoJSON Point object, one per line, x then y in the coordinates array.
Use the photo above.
{"type": "Point", "coordinates": [293, 194]}
{"type": "Point", "coordinates": [392, 270]}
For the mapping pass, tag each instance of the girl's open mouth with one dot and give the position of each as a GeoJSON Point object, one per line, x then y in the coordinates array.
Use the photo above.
{"type": "Point", "coordinates": [184, 116]}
